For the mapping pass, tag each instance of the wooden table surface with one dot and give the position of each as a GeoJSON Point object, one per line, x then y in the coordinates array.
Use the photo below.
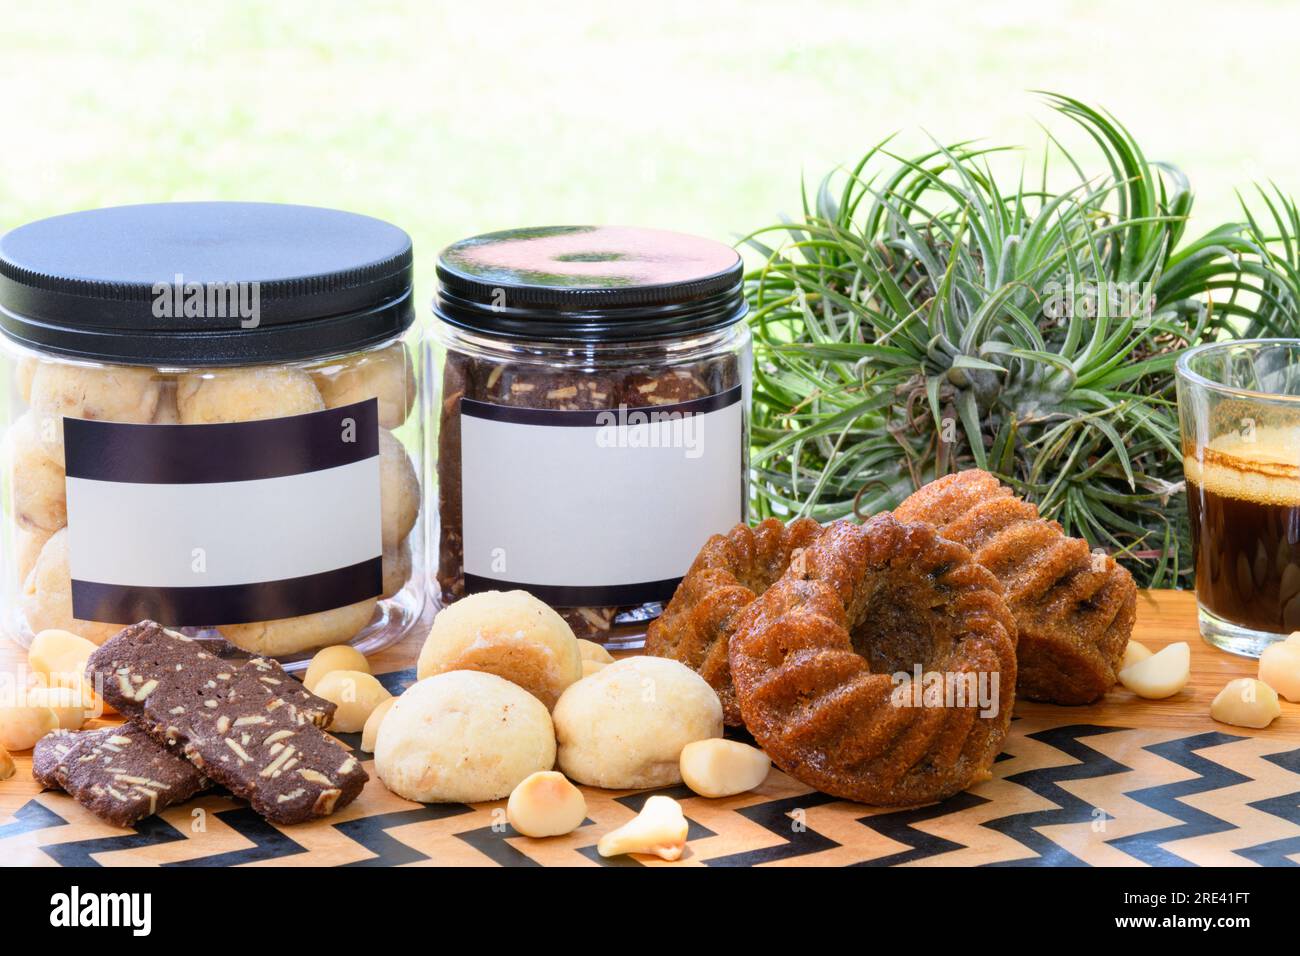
{"type": "Point", "coordinates": [1121, 782]}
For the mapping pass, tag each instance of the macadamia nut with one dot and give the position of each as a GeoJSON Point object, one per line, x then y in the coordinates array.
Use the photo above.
{"type": "Point", "coordinates": [624, 727]}
{"type": "Point", "coordinates": [592, 667]}
{"type": "Point", "coordinates": [591, 651]}
{"type": "Point", "coordinates": [340, 657]}
{"type": "Point", "coordinates": [245, 395]}
{"type": "Point", "coordinates": [1279, 668]}
{"type": "Point", "coordinates": [508, 633]}
{"type": "Point", "coordinates": [723, 768]}
{"type": "Point", "coordinates": [35, 470]}
{"type": "Point", "coordinates": [659, 829]}
{"type": "Point", "coordinates": [66, 702]}
{"type": "Point", "coordinates": [292, 634]}
{"type": "Point", "coordinates": [21, 725]}
{"type": "Point", "coordinates": [1135, 651]}
{"type": "Point", "coordinates": [545, 804]}
{"type": "Point", "coordinates": [370, 732]}
{"type": "Point", "coordinates": [357, 694]}
{"type": "Point", "coordinates": [47, 595]}
{"type": "Point", "coordinates": [399, 489]}
{"type": "Point", "coordinates": [463, 737]}
{"type": "Point", "coordinates": [1161, 675]}
{"type": "Point", "coordinates": [386, 374]}
{"type": "Point", "coordinates": [60, 657]}
{"type": "Point", "coordinates": [1246, 702]}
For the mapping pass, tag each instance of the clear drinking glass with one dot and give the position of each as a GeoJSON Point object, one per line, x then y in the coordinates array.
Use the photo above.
{"type": "Point", "coordinates": [1239, 405]}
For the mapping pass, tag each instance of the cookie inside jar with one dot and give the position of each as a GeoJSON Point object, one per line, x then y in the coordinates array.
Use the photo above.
{"type": "Point", "coordinates": [591, 417]}
{"type": "Point", "coordinates": [222, 436]}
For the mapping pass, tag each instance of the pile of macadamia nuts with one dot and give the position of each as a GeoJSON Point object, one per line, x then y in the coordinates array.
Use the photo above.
{"type": "Point", "coordinates": [50, 389]}
{"type": "Point", "coordinates": [508, 703]}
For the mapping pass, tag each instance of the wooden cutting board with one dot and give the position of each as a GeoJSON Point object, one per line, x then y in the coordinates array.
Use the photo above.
{"type": "Point", "coordinates": [1122, 782]}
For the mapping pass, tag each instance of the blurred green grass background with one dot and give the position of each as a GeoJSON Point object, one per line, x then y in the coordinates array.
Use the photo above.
{"type": "Point", "coordinates": [451, 119]}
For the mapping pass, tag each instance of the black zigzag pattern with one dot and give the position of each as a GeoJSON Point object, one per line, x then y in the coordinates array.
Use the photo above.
{"type": "Point", "coordinates": [1287, 806]}
{"type": "Point", "coordinates": [372, 833]}
{"type": "Point", "coordinates": [29, 818]}
{"type": "Point", "coordinates": [774, 817]}
{"type": "Point", "coordinates": [149, 832]}
{"type": "Point", "coordinates": [1167, 798]}
{"type": "Point", "coordinates": [1023, 827]}
{"type": "Point", "coordinates": [900, 826]}
{"type": "Point", "coordinates": [268, 842]}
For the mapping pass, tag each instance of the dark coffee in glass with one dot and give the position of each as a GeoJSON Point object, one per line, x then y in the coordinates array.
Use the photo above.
{"type": "Point", "coordinates": [1239, 403]}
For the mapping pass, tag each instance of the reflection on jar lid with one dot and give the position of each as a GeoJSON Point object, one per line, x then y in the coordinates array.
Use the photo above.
{"type": "Point", "coordinates": [594, 283]}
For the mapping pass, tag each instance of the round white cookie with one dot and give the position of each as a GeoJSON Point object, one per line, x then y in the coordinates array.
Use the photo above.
{"type": "Point", "coordinates": [385, 374]}
{"type": "Point", "coordinates": [108, 393]}
{"type": "Point", "coordinates": [47, 595]}
{"type": "Point", "coordinates": [624, 726]}
{"type": "Point", "coordinates": [399, 489]}
{"type": "Point", "coordinates": [245, 395]}
{"type": "Point", "coordinates": [288, 635]}
{"type": "Point", "coordinates": [508, 633]}
{"type": "Point", "coordinates": [463, 737]}
{"type": "Point", "coordinates": [397, 567]}
{"type": "Point", "coordinates": [34, 468]}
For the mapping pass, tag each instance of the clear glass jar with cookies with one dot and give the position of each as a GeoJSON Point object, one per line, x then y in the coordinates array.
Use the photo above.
{"type": "Point", "coordinates": [210, 420]}
{"type": "Point", "coordinates": [590, 394]}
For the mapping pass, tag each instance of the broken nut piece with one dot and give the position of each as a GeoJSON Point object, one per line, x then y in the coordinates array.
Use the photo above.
{"type": "Point", "coordinates": [1134, 652]}
{"type": "Point", "coordinates": [723, 768]}
{"type": "Point", "coordinates": [592, 667]}
{"type": "Point", "coordinates": [6, 764]}
{"type": "Point", "coordinates": [1279, 668]}
{"type": "Point", "coordinates": [1246, 702]}
{"type": "Point", "coordinates": [545, 804]}
{"type": "Point", "coordinates": [1161, 675]}
{"type": "Point", "coordinates": [659, 829]}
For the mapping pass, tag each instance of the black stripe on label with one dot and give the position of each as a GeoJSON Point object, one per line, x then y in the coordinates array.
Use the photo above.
{"type": "Point", "coordinates": [598, 418]}
{"type": "Point", "coordinates": [235, 451]}
{"type": "Point", "coordinates": [228, 603]}
{"type": "Point", "coordinates": [564, 596]}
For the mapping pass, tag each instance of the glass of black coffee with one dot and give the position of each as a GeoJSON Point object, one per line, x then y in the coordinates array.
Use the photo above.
{"type": "Point", "coordinates": [1239, 405]}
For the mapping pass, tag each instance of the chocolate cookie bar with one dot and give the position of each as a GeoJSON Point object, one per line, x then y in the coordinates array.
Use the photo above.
{"type": "Point", "coordinates": [246, 724]}
{"type": "Point", "coordinates": [120, 774]}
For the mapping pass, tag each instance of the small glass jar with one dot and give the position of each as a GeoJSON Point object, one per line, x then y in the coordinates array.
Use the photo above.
{"type": "Point", "coordinates": [592, 422]}
{"type": "Point", "coordinates": [209, 417]}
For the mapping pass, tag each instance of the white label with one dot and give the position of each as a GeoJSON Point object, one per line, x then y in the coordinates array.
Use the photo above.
{"type": "Point", "coordinates": [243, 531]}
{"type": "Point", "coordinates": [608, 512]}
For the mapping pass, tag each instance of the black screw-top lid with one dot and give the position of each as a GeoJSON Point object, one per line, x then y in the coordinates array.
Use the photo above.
{"type": "Point", "coordinates": [197, 284]}
{"type": "Point", "coordinates": [590, 284]}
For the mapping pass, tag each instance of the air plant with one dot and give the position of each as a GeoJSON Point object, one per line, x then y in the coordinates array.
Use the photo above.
{"type": "Point", "coordinates": [921, 318]}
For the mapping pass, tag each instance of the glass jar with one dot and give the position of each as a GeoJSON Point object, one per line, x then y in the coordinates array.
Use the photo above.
{"type": "Point", "coordinates": [592, 421]}
{"type": "Point", "coordinates": [209, 420]}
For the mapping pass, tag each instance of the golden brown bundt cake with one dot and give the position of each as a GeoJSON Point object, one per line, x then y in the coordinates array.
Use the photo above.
{"type": "Point", "coordinates": [729, 572]}
{"type": "Point", "coordinates": [824, 665]}
{"type": "Point", "coordinates": [1075, 609]}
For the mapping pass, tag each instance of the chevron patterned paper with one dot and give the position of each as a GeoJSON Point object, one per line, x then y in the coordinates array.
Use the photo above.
{"type": "Point", "coordinates": [1121, 783]}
